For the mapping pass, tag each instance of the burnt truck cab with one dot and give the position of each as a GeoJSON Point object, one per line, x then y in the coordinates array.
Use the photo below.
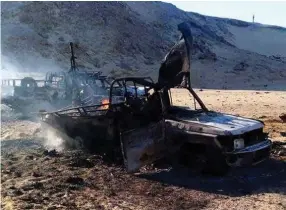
{"type": "Point", "coordinates": [225, 140]}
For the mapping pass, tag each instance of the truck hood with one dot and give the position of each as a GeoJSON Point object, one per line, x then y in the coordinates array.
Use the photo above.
{"type": "Point", "coordinates": [219, 123]}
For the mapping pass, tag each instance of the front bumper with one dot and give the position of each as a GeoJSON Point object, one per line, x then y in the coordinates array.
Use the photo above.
{"type": "Point", "coordinates": [250, 155]}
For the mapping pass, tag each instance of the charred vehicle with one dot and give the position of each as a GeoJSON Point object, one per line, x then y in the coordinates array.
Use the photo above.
{"type": "Point", "coordinates": [58, 88]}
{"type": "Point", "coordinates": [153, 120]}
{"type": "Point", "coordinates": [17, 93]}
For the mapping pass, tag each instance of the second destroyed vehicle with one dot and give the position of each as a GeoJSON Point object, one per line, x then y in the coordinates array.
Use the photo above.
{"type": "Point", "coordinates": [58, 88]}
{"type": "Point", "coordinates": [155, 120]}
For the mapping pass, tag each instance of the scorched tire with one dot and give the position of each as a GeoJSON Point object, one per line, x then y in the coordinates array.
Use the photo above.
{"type": "Point", "coordinates": [216, 162]}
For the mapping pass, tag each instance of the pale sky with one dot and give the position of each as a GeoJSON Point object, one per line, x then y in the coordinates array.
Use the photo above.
{"type": "Point", "coordinates": [266, 12]}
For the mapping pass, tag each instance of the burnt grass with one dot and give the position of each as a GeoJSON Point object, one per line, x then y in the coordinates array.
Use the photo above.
{"type": "Point", "coordinates": [34, 178]}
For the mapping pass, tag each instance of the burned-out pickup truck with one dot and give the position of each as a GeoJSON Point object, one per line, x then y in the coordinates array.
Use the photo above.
{"type": "Point", "coordinates": [142, 121]}
{"type": "Point", "coordinates": [156, 123]}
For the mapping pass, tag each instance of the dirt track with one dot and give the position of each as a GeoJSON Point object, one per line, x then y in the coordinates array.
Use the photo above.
{"type": "Point", "coordinates": [33, 178]}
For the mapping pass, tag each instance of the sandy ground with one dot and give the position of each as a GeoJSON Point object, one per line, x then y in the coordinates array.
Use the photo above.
{"type": "Point", "coordinates": [33, 178]}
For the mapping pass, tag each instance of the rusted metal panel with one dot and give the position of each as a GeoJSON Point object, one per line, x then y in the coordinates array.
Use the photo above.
{"type": "Point", "coordinates": [143, 145]}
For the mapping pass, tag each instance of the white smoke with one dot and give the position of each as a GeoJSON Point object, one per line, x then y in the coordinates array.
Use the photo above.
{"type": "Point", "coordinates": [59, 141]}
{"type": "Point", "coordinates": [53, 141]}
{"type": "Point", "coordinates": [8, 114]}
{"type": "Point", "coordinates": [10, 70]}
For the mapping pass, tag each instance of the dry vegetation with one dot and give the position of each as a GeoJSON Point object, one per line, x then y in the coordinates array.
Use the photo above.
{"type": "Point", "coordinates": [33, 178]}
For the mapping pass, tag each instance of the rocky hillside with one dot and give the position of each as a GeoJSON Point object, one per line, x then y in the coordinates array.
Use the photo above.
{"type": "Point", "coordinates": [131, 38]}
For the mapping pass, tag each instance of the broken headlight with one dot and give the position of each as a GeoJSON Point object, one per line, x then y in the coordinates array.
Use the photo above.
{"type": "Point", "coordinates": [238, 143]}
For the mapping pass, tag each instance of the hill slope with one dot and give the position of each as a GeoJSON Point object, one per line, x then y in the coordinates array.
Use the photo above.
{"type": "Point", "coordinates": [131, 38]}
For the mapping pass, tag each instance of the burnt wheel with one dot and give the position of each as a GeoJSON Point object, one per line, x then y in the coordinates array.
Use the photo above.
{"type": "Point", "coordinates": [216, 162]}
{"type": "Point", "coordinates": [193, 156]}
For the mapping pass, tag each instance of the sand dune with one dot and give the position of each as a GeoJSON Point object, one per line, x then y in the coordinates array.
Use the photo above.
{"type": "Point", "coordinates": [263, 40]}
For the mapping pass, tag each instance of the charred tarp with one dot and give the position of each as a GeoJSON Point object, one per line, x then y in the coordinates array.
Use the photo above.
{"type": "Point", "coordinates": [178, 59]}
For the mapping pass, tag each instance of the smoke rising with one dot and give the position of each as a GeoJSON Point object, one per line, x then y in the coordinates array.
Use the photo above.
{"type": "Point", "coordinates": [53, 141]}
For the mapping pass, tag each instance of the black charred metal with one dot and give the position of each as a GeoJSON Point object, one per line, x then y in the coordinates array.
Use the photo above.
{"type": "Point", "coordinates": [178, 60]}
{"type": "Point", "coordinates": [73, 64]}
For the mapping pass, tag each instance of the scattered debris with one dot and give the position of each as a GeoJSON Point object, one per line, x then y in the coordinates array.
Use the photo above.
{"type": "Point", "coordinates": [279, 148]}
{"type": "Point", "coordinates": [81, 162]}
{"type": "Point", "coordinates": [51, 153]}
